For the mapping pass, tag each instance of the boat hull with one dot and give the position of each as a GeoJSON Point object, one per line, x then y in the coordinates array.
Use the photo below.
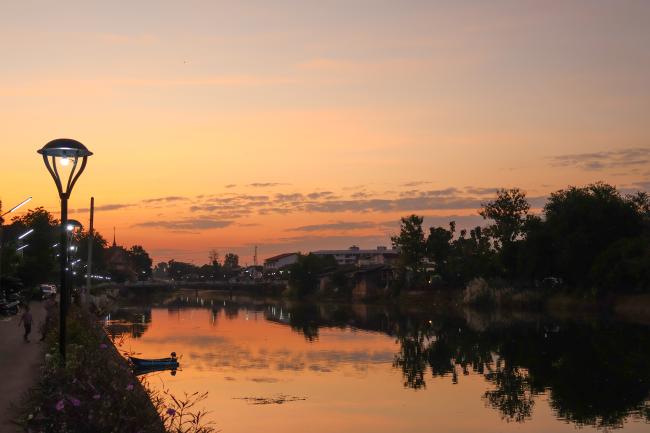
{"type": "Point", "coordinates": [154, 363]}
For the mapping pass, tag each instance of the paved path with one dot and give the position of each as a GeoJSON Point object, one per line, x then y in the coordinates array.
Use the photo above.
{"type": "Point", "coordinates": [19, 362]}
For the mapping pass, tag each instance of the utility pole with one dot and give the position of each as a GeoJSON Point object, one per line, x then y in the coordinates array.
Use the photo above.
{"type": "Point", "coordinates": [91, 236]}
{"type": "Point", "coordinates": [255, 257]}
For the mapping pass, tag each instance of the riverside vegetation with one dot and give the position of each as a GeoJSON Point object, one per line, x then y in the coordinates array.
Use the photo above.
{"type": "Point", "coordinates": [588, 241]}
{"type": "Point", "coordinates": [96, 391]}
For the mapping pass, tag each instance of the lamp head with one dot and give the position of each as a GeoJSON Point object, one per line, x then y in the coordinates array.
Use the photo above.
{"type": "Point", "coordinates": [65, 148]}
{"type": "Point", "coordinates": [58, 155]}
{"type": "Point", "coordinates": [72, 225]}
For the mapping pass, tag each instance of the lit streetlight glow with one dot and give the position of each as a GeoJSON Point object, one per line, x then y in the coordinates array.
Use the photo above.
{"type": "Point", "coordinates": [27, 233]}
{"type": "Point", "coordinates": [19, 205]}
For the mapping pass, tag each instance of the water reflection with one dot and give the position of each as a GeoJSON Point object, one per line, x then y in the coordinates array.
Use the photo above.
{"type": "Point", "coordinates": [591, 372]}
{"type": "Point", "coordinates": [132, 321]}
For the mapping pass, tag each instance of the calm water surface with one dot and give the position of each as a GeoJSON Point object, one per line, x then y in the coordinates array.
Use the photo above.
{"type": "Point", "coordinates": [283, 367]}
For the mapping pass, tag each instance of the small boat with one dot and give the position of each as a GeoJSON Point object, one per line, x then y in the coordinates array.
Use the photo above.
{"type": "Point", "coordinates": [151, 363]}
{"type": "Point", "coordinates": [140, 370]}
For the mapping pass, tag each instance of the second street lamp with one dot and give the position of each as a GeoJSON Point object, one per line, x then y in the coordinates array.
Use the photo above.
{"type": "Point", "coordinates": [72, 227]}
{"type": "Point", "coordinates": [64, 157]}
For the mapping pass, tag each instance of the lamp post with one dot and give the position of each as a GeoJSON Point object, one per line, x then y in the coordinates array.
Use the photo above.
{"type": "Point", "coordinates": [70, 228]}
{"type": "Point", "coordinates": [66, 157]}
{"type": "Point", "coordinates": [1, 224]}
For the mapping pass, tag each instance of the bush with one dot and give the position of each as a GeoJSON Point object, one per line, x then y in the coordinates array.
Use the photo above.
{"type": "Point", "coordinates": [94, 392]}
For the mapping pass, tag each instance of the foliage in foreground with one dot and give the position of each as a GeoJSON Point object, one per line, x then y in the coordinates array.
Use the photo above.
{"type": "Point", "coordinates": [97, 392]}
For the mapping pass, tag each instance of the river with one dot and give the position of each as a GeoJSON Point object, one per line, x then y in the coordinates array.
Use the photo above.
{"type": "Point", "coordinates": [279, 366]}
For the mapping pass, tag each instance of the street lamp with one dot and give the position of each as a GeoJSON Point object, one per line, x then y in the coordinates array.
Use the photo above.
{"type": "Point", "coordinates": [65, 157]}
{"type": "Point", "coordinates": [70, 227]}
{"type": "Point", "coordinates": [73, 225]}
{"type": "Point", "coordinates": [1, 224]}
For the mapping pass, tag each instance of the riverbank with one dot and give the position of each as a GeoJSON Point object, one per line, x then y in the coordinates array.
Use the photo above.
{"type": "Point", "coordinates": [96, 390]}
{"type": "Point", "coordinates": [633, 308]}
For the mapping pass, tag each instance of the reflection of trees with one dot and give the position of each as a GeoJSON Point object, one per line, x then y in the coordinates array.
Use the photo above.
{"type": "Point", "coordinates": [412, 360]}
{"type": "Point", "coordinates": [595, 375]}
{"type": "Point", "coordinates": [129, 322]}
{"type": "Point", "coordinates": [303, 318]}
{"type": "Point", "coordinates": [511, 395]}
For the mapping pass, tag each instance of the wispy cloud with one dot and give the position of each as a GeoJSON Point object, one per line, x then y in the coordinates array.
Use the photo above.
{"type": "Point", "coordinates": [416, 183]}
{"type": "Point", "coordinates": [340, 226]}
{"type": "Point", "coordinates": [596, 161]}
{"type": "Point", "coordinates": [317, 195]}
{"type": "Point", "coordinates": [266, 184]}
{"type": "Point", "coordinates": [229, 206]}
{"type": "Point", "coordinates": [481, 190]}
{"type": "Point", "coordinates": [106, 207]}
{"type": "Point", "coordinates": [186, 224]}
{"type": "Point", "coordinates": [172, 198]}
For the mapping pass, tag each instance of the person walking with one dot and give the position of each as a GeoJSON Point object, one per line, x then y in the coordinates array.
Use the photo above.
{"type": "Point", "coordinates": [26, 321]}
{"type": "Point", "coordinates": [48, 324]}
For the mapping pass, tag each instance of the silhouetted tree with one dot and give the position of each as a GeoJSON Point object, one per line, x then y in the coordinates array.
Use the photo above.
{"type": "Point", "coordinates": [141, 262]}
{"type": "Point", "coordinates": [508, 211]}
{"type": "Point", "coordinates": [412, 248]}
{"type": "Point", "coordinates": [38, 263]}
{"type": "Point", "coordinates": [439, 248]}
{"type": "Point", "coordinates": [304, 274]}
{"type": "Point", "coordinates": [583, 223]}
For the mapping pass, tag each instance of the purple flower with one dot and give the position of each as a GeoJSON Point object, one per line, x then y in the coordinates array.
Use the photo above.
{"type": "Point", "coordinates": [129, 387]}
{"type": "Point", "coordinates": [171, 412]}
{"type": "Point", "coordinates": [60, 405]}
{"type": "Point", "coordinates": [103, 346]}
{"type": "Point", "coordinates": [96, 397]}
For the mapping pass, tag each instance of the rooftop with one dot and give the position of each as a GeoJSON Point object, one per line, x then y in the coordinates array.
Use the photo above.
{"type": "Point", "coordinates": [279, 256]}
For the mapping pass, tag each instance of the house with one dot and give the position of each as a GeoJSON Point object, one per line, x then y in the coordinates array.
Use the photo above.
{"type": "Point", "coordinates": [253, 272]}
{"type": "Point", "coordinates": [280, 261]}
{"type": "Point", "coordinates": [371, 281]}
{"type": "Point", "coordinates": [361, 258]}
{"type": "Point", "coordinates": [119, 265]}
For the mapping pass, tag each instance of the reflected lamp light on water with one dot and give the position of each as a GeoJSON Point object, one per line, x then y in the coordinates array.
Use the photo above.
{"type": "Point", "coordinates": [66, 157]}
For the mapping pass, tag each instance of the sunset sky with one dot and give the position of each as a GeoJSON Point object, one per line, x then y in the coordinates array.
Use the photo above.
{"type": "Point", "coordinates": [299, 125]}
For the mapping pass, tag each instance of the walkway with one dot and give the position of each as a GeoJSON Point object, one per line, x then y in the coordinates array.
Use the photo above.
{"type": "Point", "coordinates": [19, 362]}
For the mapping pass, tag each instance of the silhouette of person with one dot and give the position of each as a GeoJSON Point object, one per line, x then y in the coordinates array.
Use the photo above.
{"type": "Point", "coordinates": [26, 321]}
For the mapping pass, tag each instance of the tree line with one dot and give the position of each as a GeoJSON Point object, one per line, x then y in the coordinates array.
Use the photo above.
{"type": "Point", "coordinates": [38, 261]}
{"type": "Point", "coordinates": [592, 238]}
{"type": "Point", "coordinates": [215, 270]}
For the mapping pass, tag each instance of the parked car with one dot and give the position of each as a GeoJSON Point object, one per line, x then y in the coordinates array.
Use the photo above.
{"type": "Point", "coordinates": [8, 307]}
{"type": "Point", "coordinates": [47, 290]}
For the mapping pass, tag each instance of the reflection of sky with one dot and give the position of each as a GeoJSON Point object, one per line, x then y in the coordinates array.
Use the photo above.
{"type": "Point", "coordinates": [346, 377]}
{"type": "Point", "coordinates": [244, 343]}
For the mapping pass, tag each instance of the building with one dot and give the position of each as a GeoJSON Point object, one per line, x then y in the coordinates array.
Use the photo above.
{"type": "Point", "coordinates": [280, 261]}
{"type": "Point", "coordinates": [372, 281]}
{"type": "Point", "coordinates": [118, 263]}
{"type": "Point", "coordinates": [361, 258]}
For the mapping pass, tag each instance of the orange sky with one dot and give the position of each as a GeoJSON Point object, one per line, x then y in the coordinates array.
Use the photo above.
{"type": "Point", "coordinates": [377, 109]}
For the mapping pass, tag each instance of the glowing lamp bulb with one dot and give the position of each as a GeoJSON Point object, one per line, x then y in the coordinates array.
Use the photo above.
{"type": "Point", "coordinates": [65, 161]}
